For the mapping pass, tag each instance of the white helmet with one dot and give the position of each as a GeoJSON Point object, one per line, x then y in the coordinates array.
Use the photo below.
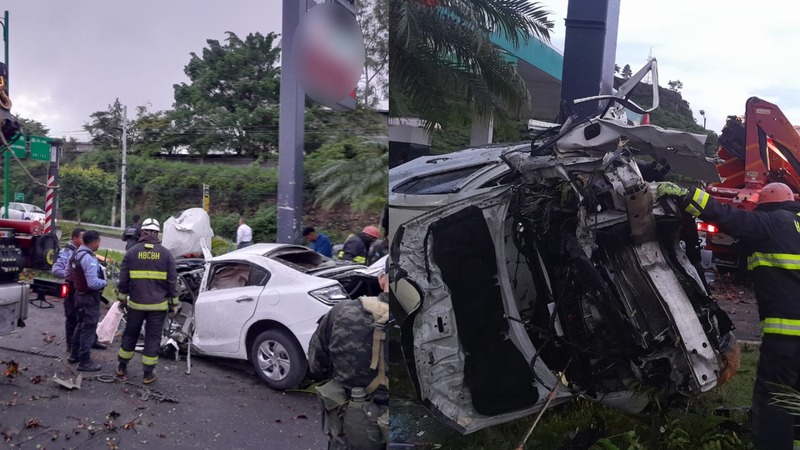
{"type": "Point", "coordinates": [151, 224]}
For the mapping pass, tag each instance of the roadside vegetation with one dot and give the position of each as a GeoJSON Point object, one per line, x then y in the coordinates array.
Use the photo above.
{"type": "Point", "coordinates": [713, 421]}
{"type": "Point", "coordinates": [229, 106]}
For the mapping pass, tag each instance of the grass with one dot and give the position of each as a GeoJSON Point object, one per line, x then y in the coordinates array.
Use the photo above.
{"type": "Point", "coordinates": [710, 420]}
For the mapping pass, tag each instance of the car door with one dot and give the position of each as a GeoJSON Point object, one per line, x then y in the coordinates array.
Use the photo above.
{"type": "Point", "coordinates": [15, 211]}
{"type": "Point", "coordinates": [231, 293]}
{"type": "Point", "coordinates": [469, 362]}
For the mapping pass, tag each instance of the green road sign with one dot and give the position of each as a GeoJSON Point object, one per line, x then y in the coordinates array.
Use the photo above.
{"type": "Point", "coordinates": [18, 147]}
{"type": "Point", "coordinates": [19, 197]}
{"type": "Point", "coordinates": [40, 148]}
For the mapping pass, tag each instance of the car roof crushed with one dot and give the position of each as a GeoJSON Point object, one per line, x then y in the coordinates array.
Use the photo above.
{"type": "Point", "coordinates": [593, 276]}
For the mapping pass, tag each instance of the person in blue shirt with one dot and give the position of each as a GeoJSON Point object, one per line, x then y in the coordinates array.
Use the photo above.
{"type": "Point", "coordinates": [319, 242]}
{"type": "Point", "coordinates": [88, 280]}
{"type": "Point", "coordinates": [60, 270]}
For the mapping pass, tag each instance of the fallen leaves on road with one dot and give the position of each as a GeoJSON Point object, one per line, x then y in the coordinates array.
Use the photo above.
{"type": "Point", "coordinates": [13, 401]}
{"type": "Point", "coordinates": [48, 337]}
{"type": "Point", "coordinates": [37, 379]}
{"type": "Point", "coordinates": [130, 425]}
{"type": "Point", "coordinates": [12, 369]}
{"type": "Point", "coordinates": [9, 434]}
{"type": "Point", "coordinates": [32, 423]}
{"type": "Point", "coordinates": [301, 416]}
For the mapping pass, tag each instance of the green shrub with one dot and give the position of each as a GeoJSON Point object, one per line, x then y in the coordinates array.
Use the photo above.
{"type": "Point", "coordinates": [220, 246]}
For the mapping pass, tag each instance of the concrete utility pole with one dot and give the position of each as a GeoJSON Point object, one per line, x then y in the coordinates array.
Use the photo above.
{"type": "Point", "coordinates": [124, 165]}
{"type": "Point", "coordinates": [590, 49]}
{"type": "Point", "coordinates": [292, 123]}
{"type": "Point", "coordinates": [6, 152]}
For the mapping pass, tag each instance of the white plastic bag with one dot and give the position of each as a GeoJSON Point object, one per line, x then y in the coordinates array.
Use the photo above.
{"type": "Point", "coordinates": [107, 327]}
{"type": "Point", "coordinates": [188, 233]}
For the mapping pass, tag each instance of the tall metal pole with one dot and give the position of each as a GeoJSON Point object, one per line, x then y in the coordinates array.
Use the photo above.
{"type": "Point", "coordinates": [590, 49]}
{"type": "Point", "coordinates": [124, 163]}
{"type": "Point", "coordinates": [292, 123]}
{"type": "Point", "coordinates": [5, 39]}
{"type": "Point", "coordinates": [6, 152]}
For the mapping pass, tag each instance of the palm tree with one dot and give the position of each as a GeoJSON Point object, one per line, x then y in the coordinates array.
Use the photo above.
{"type": "Point", "coordinates": [361, 182]}
{"type": "Point", "coordinates": [443, 66]}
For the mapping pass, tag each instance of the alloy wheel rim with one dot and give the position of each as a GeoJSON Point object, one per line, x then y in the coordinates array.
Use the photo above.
{"type": "Point", "coordinates": [273, 360]}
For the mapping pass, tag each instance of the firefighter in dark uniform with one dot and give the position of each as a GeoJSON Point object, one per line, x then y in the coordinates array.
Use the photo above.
{"type": "Point", "coordinates": [349, 348]}
{"type": "Point", "coordinates": [356, 248]}
{"type": "Point", "coordinates": [148, 288]}
{"type": "Point", "coordinates": [772, 234]}
{"type": "Point", "coordinates": [88, 280]}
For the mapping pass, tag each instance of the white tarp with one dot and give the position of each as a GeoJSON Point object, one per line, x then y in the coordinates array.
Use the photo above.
{"type": "Point", "coordinates": [189, 233]}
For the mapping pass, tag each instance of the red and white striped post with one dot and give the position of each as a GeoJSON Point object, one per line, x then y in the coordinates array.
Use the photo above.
{"type": "Point", "coordinates": [49, 201]}
{"type": "Point", "coordinates": [50, 195]}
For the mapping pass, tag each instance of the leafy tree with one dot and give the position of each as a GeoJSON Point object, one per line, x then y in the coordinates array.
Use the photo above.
{"type": "Point", "coordinates": [324, 126]}
{"type": "Point", "coordinates": [105, 127]}
{"type": "Point", "coordinates": [33, 127]}
{"type": "Point", "coordinates": [361, 181]}
{"type": "Point", "coordinates": [627, 72]}
{"type": "Point", "coordinates": [231, 101]}
{"type": "Point", "coordinates": [84, 187]}
{"type": "Point", "coordinates": [443, 66]}
{"type": "Point", "coordinates": [675, 85]}
{"type": "Point", "coordinates": [156, 134]}
{"type": "Point", "coordinates": [617, 68]}
{"type": "Point", "coordinates": [373, 16]}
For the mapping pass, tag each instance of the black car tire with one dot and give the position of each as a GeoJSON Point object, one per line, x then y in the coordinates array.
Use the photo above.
{"type": "Point", "coordinates": [278, 359]}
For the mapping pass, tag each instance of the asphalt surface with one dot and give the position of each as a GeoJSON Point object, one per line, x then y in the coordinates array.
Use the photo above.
{"type": "Point", "coordinates": [221, 404]}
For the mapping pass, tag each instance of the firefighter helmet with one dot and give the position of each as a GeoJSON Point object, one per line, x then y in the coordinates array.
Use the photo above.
{"type": "Point", "coordinates": [151, 225]}
{"type": "Point", "coordinates": [371, 231]}
{"type": "Point", "coordinates": [774, 193]}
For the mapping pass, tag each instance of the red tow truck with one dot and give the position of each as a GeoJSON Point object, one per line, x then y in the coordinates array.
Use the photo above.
{"type": "Point", "coordinates": [761, 147]}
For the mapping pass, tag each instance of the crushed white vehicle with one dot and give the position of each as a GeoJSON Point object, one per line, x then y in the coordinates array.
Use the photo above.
{"type": "Point", "coordinates": [573, 279]}
{"type": "Point", "coordinates": [260, 303]}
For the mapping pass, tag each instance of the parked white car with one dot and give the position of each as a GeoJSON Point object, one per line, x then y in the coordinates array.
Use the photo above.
{"type": "Point", "coordinates": [23, 211]}
{"type": "Point", "coordinates": [262, 303]}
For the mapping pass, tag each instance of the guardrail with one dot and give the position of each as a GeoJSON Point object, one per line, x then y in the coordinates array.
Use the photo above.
{"type": "Point", "coordinates": [94, 225]}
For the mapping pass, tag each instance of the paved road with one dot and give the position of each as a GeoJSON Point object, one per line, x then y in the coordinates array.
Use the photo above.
{"type": "Point", "coordinates": [111, 243]}
{"type": "Point", "coordinates": [221, 404]}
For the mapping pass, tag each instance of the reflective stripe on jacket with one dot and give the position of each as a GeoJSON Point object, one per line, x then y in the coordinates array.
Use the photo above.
{"type": "Point", "coordinates": [771, 237]}
{"type": "Point", "coordinates": [355, 248]}
{"type": "Point", "coordinates": [148, 275]}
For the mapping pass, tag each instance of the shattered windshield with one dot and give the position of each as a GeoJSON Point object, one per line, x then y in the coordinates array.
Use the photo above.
{"type": "Point", "coordinates": [303, 260]}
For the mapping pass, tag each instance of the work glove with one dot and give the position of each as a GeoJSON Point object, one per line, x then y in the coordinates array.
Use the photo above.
{"type": "Point", "coordinates": [175, 309]}
{"type": "Point", "coordinates": [671, 190]}
{"type": "Point", "coordinates": [123, 301]}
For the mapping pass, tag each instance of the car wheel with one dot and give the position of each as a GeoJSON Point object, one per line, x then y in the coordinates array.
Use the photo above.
{"type": "Point", "coordinates": [278, 359]}
{"type": "Point", "coordinates": [46, 251]}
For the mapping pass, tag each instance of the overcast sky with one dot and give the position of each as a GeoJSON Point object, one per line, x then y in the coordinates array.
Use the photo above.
{"type": "Point", "coordinates": [722, 52]}
{"type": "Point", "coordinates": [69, 59]}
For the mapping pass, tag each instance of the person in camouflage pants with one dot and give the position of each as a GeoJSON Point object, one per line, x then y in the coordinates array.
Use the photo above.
{"type": "Point", "coordinates": [349, 348]}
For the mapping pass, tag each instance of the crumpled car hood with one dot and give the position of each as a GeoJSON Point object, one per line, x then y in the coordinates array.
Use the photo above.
{"type": "Point", "coordinates": [683, 151]}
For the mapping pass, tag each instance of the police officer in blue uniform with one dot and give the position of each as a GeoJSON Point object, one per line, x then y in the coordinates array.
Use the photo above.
{"type": "Point", "coordinates": [88, 280]}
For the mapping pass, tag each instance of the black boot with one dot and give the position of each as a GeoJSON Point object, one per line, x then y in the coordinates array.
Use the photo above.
{"type": "Point", "coordinates": [89, 367]}
{"type": "Point", "coordinates": [149, 377]}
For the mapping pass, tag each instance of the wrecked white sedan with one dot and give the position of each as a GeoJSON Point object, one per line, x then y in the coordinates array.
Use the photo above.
{"type": "Point", "coordinates": [573, 279]}
{"type": "Point", "coordinates": [261, 303]}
